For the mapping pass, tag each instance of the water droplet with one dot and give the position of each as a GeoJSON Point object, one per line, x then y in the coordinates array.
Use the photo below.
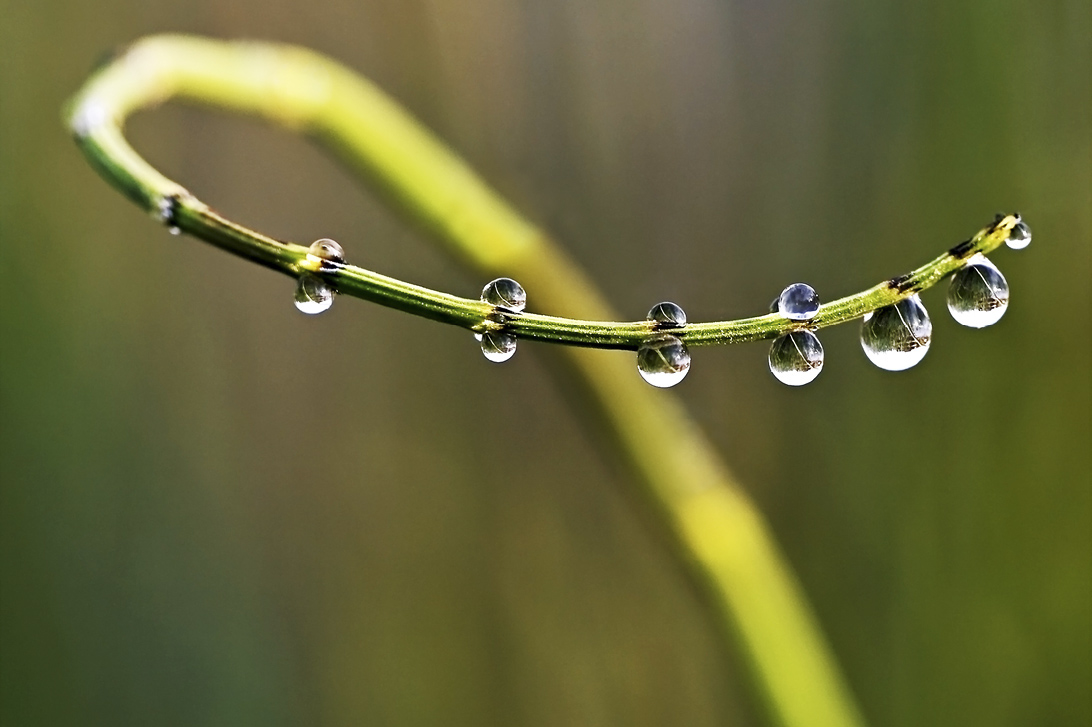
{"type": "Point", "coordinates": [667, 315]}
{"type": "Point", "coordinates": [663, 361]}
{"type": "Point", "coordinates": [497, 346]}
{"type": "Point", "coordinates": [796, 358]}
{"type": "Point", "coordinates": [328, 250]}
{"type": "Point", "coordinates": [1019, 236]}
{"type": "Point", "coordinates": [313, 295]}
{"type": "Point", "coordinates": [897, 337]}
{"type": "Point", "coordinates": [978, 294]}
{"type": "Point", "coordinates": [798, 302]}
{"type": "Point", "coordinates": [174, 230]}
{"type": "Point", "coordinates": [505, 293]}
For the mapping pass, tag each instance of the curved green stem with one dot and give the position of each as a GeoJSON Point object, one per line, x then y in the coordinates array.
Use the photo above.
{"type": "Point", "coordinates": [304, 91]}
{"type": "Point", "coordinates": [712, 526]}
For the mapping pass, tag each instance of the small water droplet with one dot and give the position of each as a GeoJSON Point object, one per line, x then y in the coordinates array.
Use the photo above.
{"type": "Point", "coordinates": [663, 361]}
{"type": "Point", "coordinates": [505, 293]}
{"type": "Point", "coordinates": [1019, 236]}
{"type": "Point", "coordinates": [328, 250]}
{"type": "Point", "coordinates": [667, 315]}
{"type": "Point", "coordinates": [497, 346]}
{"type": "Point", "coordinates": [897, 337]}
{"type": "Point", "coordinates": [978, 294]}
{"type": "Point", "coordinates": [796, 358]}
{"type": "Point", "coordinates": [313, 295]}
{"type": "Point", "coordinates": [798, 302]}
{"type": "Point", "coordinates": [174, 230]}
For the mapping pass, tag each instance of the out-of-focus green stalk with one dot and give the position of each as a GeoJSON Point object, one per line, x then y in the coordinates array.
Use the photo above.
{"type": "Point", "coordinates": [715, 530]}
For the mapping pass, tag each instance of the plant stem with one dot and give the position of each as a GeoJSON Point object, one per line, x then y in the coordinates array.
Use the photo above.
{"type": "Point", "coordinates": [436, 188]}
{"type": "Point", "coordinates": [714, 529]}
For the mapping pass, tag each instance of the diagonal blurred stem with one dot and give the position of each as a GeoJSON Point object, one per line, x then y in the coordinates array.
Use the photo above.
{"type": "Point", "coordinates": [714, 529]}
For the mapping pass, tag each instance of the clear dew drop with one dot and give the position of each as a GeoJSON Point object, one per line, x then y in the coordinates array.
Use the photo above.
{"type": "Point", "coordinates": [497, 346]}
{"type": "Point", "coordinates": [796, 358]}
{"type": "Point", "coordinates": [897, 337]}
{"type": "Point", "coordinates": [1019, 236]}
{"type": "Point", "coordinates": [505, 293]}
{"type": "Point", "coordinates": [798, 302]}
{"type": "Point", "coordinates": [327, 250]}
{"type": "Point", "coordinates": [663, 361]}
{"type": "Point", "coordinates": [978, 294]}
{"type": "Point", "coordinates": [174, 230]}
{"type": "Point", "coordinates": [313, 295]}
{"type": "Point", "coordinates": [667, 315]}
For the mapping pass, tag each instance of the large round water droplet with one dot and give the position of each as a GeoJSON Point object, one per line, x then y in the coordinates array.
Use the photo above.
{"type": "Point", "coordinates": [978, 294]}
{"type": "Point", "coordinates": [505, 293]}
{"type": "Point", "coordinates": [1019, 236]}
{"type": "Point", "coordinates": [796, 358]}
{"type": "Point", "coordinates": [663, 361]}
{"type": "Point", "coordinates": [313, 294]}
{"type": "Point", "coordinates": [328, 250]}
{"type": "Point", "coordinates": [897, 337]}
{"type": "Point", "coordinates": [667, 315]}
{"type": "Point", "coordinates": [798, 302]}
{"type": "Point", "coordinates": [497, 346]}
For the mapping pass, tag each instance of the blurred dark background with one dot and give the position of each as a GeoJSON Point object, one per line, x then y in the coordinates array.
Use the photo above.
{"type": "Point", "coordinates": [218, 511]}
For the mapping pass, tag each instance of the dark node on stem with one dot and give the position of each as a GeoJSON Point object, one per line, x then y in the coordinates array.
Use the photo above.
{"type": "Point", "coordinates": [902, 283]}
{"type": "Point", "coordinates": [168, 205]}
{"type": "Point", "coordinates": [501, 317]}
{"type": "Point", "coordinates": [963, 249]}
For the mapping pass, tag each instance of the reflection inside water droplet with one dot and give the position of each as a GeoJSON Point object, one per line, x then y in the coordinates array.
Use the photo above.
{"type": "Point", "coordinates": [667, 314]}
{"type": "Point", "coordinates": [978, 294]}
{"type": "Point", "coordinates": [1019, 236]}
{"type": "Point", "coordinates": [505, 293]}
{"type": "Point", "coordinates": [497, 346]}
{"type": "Point", "coordinates": [798, 302]}
{"type": "Point", "coordinates": [663, 361]}
{"type": "Point", "coordinates": [328, 250]}
{"type": "Point", "coordinates": [313, 294]}
{"type": "Point", "coordinates": [796, 358]}
{"type": "Point", "coordinates": [897, 337]}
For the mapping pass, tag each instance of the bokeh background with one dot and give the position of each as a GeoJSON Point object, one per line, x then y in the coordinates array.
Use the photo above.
{"type": "Point", "coordinates": [218, 511]}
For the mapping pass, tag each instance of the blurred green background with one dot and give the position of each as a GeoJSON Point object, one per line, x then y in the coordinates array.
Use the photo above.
{"type": "Point", "coordinates": [218, 511]}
